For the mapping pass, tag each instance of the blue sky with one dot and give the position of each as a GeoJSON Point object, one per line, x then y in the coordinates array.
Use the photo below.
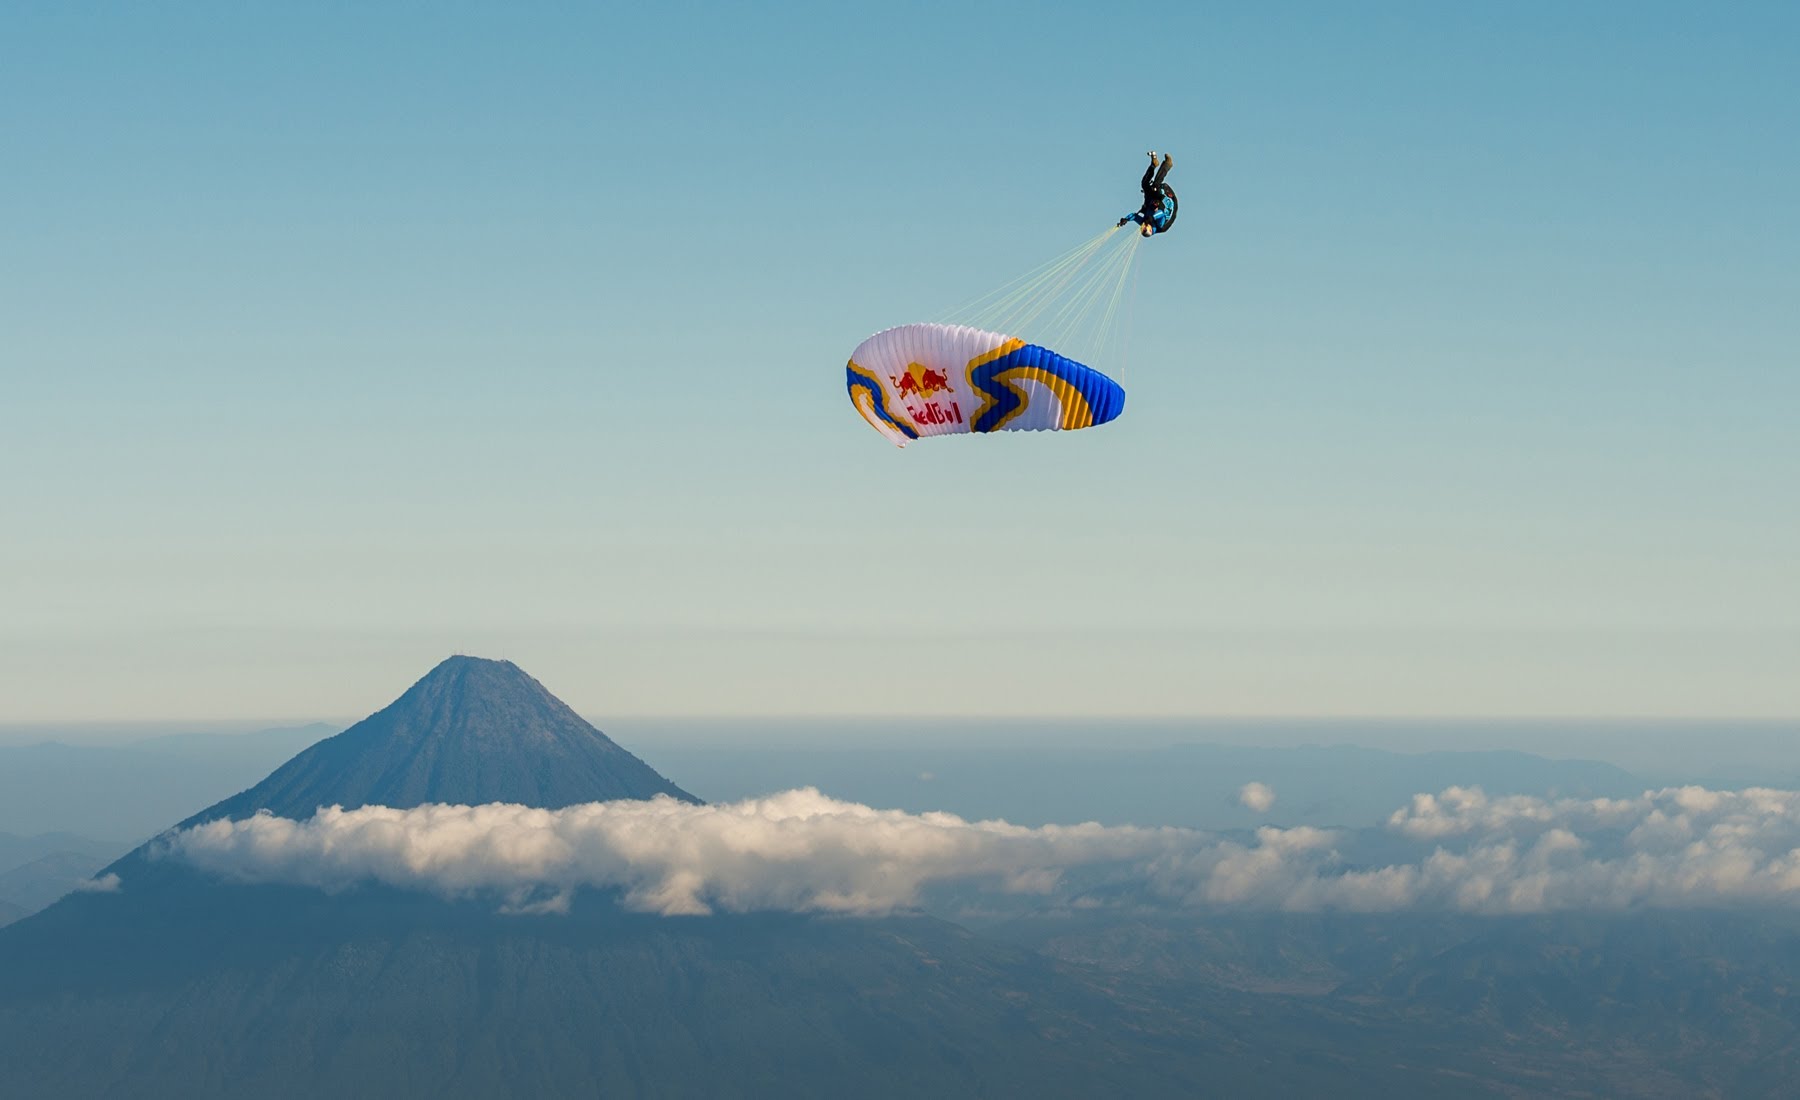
{"type": "Point", "coordinates": [335, 340]}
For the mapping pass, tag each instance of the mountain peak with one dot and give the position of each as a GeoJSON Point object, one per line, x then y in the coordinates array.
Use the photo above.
{"type": "Point", "coordinates": [470, 731]}
{"type": "Point", "coordinates": [478, 677]}
{"type": "Point", "coordinates": [462, 664]}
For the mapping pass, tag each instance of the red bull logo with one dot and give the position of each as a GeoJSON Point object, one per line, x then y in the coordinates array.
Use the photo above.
{"type": "Point", "coordinates": [921, 382]}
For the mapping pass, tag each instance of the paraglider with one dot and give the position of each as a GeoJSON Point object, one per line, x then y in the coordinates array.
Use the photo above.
{"type": "Point", "coordinates": [921, 380]}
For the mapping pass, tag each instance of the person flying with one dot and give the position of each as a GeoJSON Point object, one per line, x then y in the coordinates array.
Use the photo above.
{"type": "Point", "coordinates": [1158, 212]}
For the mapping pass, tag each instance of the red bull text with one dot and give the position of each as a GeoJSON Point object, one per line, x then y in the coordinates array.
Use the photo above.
{"type": "Point", "coordinates": [934, 412]}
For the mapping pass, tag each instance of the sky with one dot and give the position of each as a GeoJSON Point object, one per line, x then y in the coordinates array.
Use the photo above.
{"type": "Point", "coordinates": [335, 339]}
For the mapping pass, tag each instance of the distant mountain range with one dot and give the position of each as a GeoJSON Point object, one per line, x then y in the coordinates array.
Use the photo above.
{"type": "Point", "coordinates": [36, 870]}
{"type": "Point", "coordinates": [132, 791]}
{"type": "Point", "coordinates": [47, 878]}
{"type": "Point", "coordinates": [1196, 785]}
{"type": "Point", "coordinates": [16, 851]}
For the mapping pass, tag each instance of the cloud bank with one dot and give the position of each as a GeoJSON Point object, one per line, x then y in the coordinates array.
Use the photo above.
{"type": "Point", "coordinates": [1682, 847]}
{"type": "Point", "coordinates": [802, 851]}
{"type": "Point", "coordinates": [796, 851]}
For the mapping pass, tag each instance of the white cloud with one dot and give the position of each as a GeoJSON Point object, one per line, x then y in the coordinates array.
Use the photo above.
{"type": "Point", "coordinates": [1680, 847]}
{"type": "Point", "coordinates": [105, 884]}
{"type": "Point", "coordinates": [793, 851]}
{"type": "Point", "coordinates": [803, 851]}
{"type": "Point", "coordinates": [1256, 796]}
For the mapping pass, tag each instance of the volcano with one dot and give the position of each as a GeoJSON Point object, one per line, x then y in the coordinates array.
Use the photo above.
{"type": "Point", "coordinates": [471, 731]}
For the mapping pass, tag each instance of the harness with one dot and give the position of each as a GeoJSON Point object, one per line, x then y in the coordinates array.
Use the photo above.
{"type": "Point", "coordinates": [1164, 215]}
{"type": "Point", "coordinates": [1159, 209]}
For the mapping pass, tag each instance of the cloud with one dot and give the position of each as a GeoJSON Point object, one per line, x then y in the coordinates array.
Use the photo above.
{"type": "Point", "coordinates": [1458, 850]}
{"type": "Point", "coordinates": [1256, 796]}
{"type": "Point", "coordinates": [105, 884]}
{"type": "Point", "coordinates": [1681, 847]}
{"type": "Point", "coordinates": [797, 851]}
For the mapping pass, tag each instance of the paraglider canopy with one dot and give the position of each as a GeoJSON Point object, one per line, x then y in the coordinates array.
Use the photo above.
{"type": "Point", "coordinates": [930, 379]}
